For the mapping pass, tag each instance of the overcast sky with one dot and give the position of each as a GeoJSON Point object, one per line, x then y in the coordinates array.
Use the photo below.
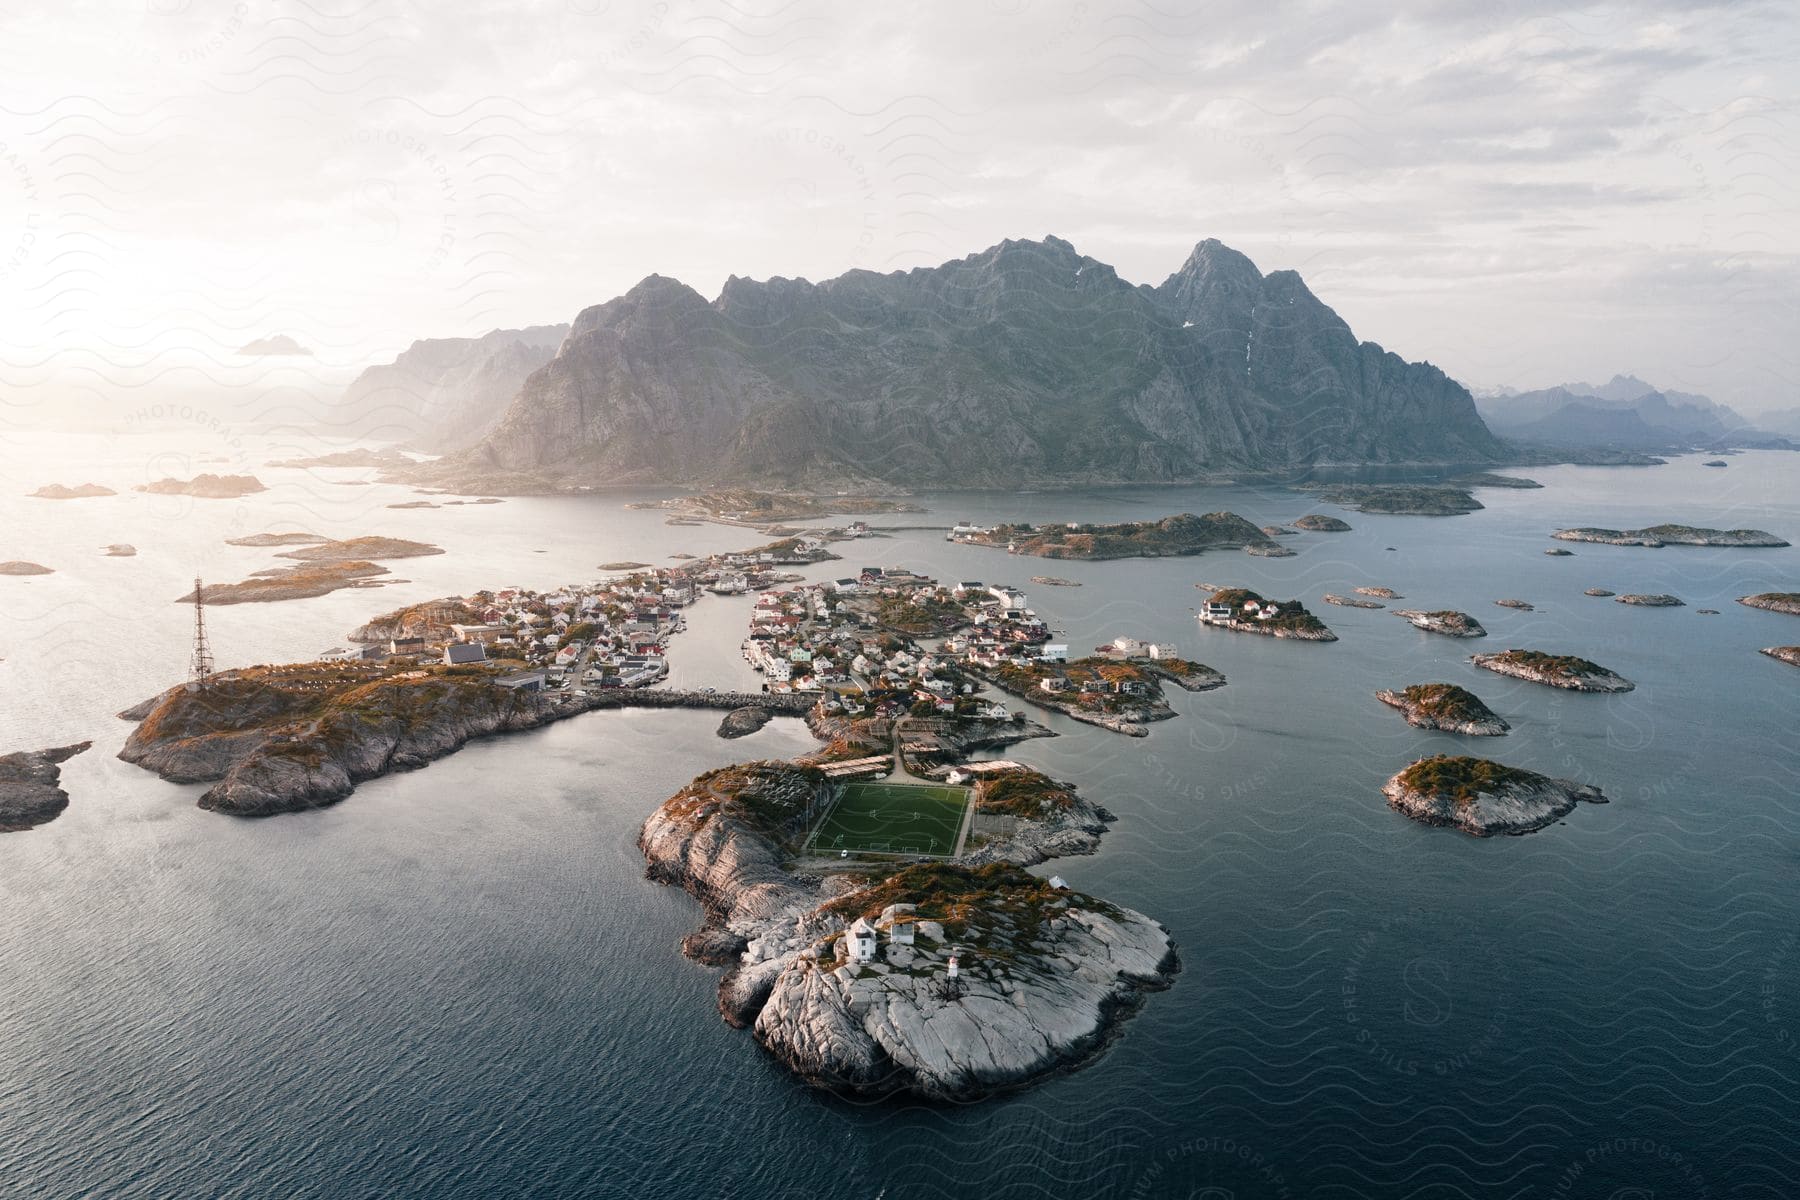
{"type": "Point", "coordinates": [1544, 195]}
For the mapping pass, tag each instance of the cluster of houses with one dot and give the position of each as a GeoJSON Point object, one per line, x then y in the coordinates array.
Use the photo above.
{"type": "Point", "coordinates": [1214, 613]}
{"type": "Point", "coordinates": [609, 634]}
{"type": "Point", "coordinates": [829, 638]}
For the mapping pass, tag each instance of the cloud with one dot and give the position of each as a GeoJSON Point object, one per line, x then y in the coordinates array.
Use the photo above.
{"type": "Point", "coordinates": [366, 179]}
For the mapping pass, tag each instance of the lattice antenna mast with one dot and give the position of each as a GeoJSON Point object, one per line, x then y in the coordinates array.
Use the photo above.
{"type": "Point", "coordinates": [202, 666]}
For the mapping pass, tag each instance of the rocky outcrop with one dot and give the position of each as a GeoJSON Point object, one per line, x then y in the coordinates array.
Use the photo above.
{"type": "Point", "coordinates": [1175, 536]}
{"type": "Point", "coordinates": [1383, 593]}
{"type": "Point", "coordinates": [120, 550]}
{"type": "Point", "coordinates": [1554, 670]}
{"type": "Point", "coordinates": [740, 722]}
{"type": "Point", "coordinates": [1781, 602]}
{"type": "Point", "coordinates": [276, 740]}
{"type": "Point", "coordinates": [351, 549]}
{"type": "Point", "coordinates": [1318, 523]}
{"type": "Point", "coordinates": [1448, 622]}
{"type": "Point", "coordinates": [1044, 974]}
{"type": "Point", "coordinates": [1786, 654]}
{"type": "Point", "coordinates": [1650, 600]}
{"type": "Point", "coordinates": [20, 567]}
{"type": "Point", "coordinates": [1350, 601]}
{"type": "Point", "coordinates": [1520, 605]}
{"type": "Point", "coordinates": [301, 581]}
{"type": "Point", "coordinates": [1438, 500]}
{"type": "Point", "coordinates": [1598, 591]}
{"type": "Point", "coordinates": [1446, 707]}
{"type": "Point", "coordinates": [302, 736]}
{"type": "Point", "coordinates": [387, 456]}
{"type": "Point", "coordinates": [1670, 535]}
{"type": "Point", "coordinates": [1484, 798]}
{"type": "Point", "coordinates": [82, 491]}
{"type": "Point", "coordinates": [1559, 552]}
{"type": "Point", "coordinates": [1003, 368]}
{"type": "Point", "coordinates": [31, 786]}
{"type": "Point", "coordinates": [207, 487]}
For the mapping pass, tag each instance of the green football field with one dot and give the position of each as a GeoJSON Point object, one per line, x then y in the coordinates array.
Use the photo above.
{"type": "Point", "coordinates": [893, 818]}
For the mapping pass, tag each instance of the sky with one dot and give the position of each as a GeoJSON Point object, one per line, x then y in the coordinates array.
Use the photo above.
{"type": "Point", "coordinates": [1521, 193]}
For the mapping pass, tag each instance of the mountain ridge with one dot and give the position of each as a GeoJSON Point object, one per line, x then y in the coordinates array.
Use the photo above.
{"type": "Point", "coordinates": [1026, 362]}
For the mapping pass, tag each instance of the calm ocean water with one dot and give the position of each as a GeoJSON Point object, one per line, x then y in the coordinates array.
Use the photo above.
{"type": "Point", "coordinates": [457, 983]}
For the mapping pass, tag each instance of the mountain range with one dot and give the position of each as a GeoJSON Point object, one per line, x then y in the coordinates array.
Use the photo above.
{"type": "Point", "coordinates": [1623, 413]}
{"type": "Point", "coordinates": [445, 394]}
{"type": "Point", "coordinates": [1025, 363]}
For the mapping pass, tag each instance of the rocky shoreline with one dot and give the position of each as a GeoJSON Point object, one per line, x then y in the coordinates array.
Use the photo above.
{"type": "Point", "coordinates": [206, 487]}
{"type": "Point", "coordinates": [1446, 707]}
{"type": "Point", "coordinates": [1780, 602]}
{"type": "Point", "coordinates": [1046, 974]}
{"type": "Point", "coordinates": [1483, 798]}
{"type": "Point", "coordinates": [81, 491]}
{"type": "Point", "coordinates": [31, 786]}
{"type": "Point", "coordinates": [1445, 621]}
{"type": "Point", "coordinates": [288, 739]}
{"type": "Point", "coordinates": [1787, 654]}
{"type": "Point", "coordinates": [1554, 670]}
{"type": "Point", "coordinates": [1670, 535]}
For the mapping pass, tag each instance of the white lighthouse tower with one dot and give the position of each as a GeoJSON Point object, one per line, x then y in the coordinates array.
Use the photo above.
{"type": "Point", "coordinates": [862, 942]}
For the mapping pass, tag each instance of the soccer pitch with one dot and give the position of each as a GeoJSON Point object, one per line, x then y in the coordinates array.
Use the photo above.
{"type": "Point", "coordinates": [893, 818]}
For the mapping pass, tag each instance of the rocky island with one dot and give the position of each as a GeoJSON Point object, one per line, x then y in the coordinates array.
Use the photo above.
{"type": "Point", "coordinates": [21, 567]}
{"type": "Point", "coordinates": [1318, 523]}
{"type": "Point", "coordinates": [1115, 694]}
{"type": "Point", "coordinates": [291, 538]}
{"type": "Point", "coordinates": [207, 487]}
{"type": "Point", "coordinates": [948, 980]}
{"type": "Point", "coordinates": [1520, 605]}
{"type": "Point", "coordinates": [1482, 797]}
{"type": "Point", "coordinates": [1180, 535]}
{"type": "Point", "coordinates": [1055, 581]}
{"type": "Point", "coordinates": [31, 786]}
{"type": "Point", "coordinates": [288, 738]}
{"type": "Point", "coordinates": [1781, 602]}
{"type": "Point", "coordinates": [57, 491]}
{"type": "Point", "coordinates": [1670, 535]}
{"type": "Point", "coordinates": [1350, 601]}
{"type": "Point", "coordinates": [355, 548]}
{"type": "Point", "coordinates": [300, 582]}
{"type": "Point", "coordinates": [1598, 592]}
{"type": "Point", "coordinates": [1447, 707]}
{"type": "Point", "coordinates": [1383, 593]}
{"type": "Point", "coordinates": [741, 722]}
{"type": "Point", "coordinates": [745, 506]}
{"type": "Point", "coordinates": [1787, 654]}
{"type": "Point", "coordinates": [1446, 621]}
{"type": "Point", "coordinates": [1398, 499]}
{"type": "Point", "coordinates": [360, 457]}
{"type": "Point", "coordinates": [120, 550]}
{"type": "Point", "coordinates": [1245, 611]}
{"type": "Point", "coordinates": [1492, 480]}
{"type": "Point", "coordinates": [1650, 600]}
{"type": "Point", "coordinates": [1553, 670]}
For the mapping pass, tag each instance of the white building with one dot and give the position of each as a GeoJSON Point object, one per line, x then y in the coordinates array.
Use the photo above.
{"type": "Point", "coordinates": [899, 919]}
{"type": "Point", "coordinates": [1059, 652]}
{"type": "Point", "coordinates": [862, 942]}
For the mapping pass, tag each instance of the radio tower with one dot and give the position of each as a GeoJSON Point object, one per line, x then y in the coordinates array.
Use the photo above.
{"type": "Point", "coordinates": [202, 666]}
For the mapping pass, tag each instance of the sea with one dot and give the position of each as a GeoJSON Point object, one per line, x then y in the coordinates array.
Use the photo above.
{"type": "Point", "coordinates": [458, 982]}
